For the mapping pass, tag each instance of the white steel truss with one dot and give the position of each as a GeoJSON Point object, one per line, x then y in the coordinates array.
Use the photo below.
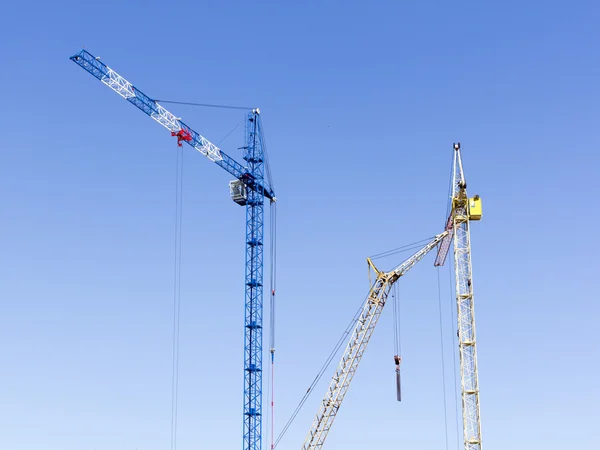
{"type": "Point", "coordinates": [466, 314]}
{"type": "Point", "coordinates": [167, 119]}
{"type": "Point", "coordinates": [208, 149]}
{"type": "Point", "coordinates": [118, 84]}
{"type": "Point", "coordinates": [359, 339]}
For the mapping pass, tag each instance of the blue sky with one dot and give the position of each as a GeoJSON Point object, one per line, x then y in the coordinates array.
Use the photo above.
{"type": "Point", "coordinates": [361, 104]}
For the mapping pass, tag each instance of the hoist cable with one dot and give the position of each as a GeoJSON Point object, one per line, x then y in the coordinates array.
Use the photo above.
{"type": "Point", "coordinates": [272, 405]}
{"type": "Point", "coordinates": [454, 323]}
{"type": "Point", "coordinates": [273, 281]}
{"type": "Point", "coordinates": [204, 105]}
{"type": "Point", "coordinates": [273, 270]}
{"type": "Point", "coordinates": [269, 400]}
{"type": "Point", "coordinates": [454, 358]}
{"type": "Point", "coordinates": [176, 295]}
{"type": "Point", "coordinates": [319, 375]}
{"type": "Point", "coordinates": [396, 319]}
{"type": "Point", "coordinates": [398, 323]}
{"type": "Point", "coordinates": [397, 340]}
{"type": "Point", "coordinates": [266, 156]}
{"type": "Point", "coordinates": [232, 130]}
{"type": "Point", "coordinates": [442, 355]}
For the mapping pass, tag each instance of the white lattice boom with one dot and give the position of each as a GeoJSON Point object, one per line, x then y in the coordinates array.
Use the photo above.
{"type": "Point", "coordinates": [359, 339]}
{"type": "Point", "coordinates": [167, 119]}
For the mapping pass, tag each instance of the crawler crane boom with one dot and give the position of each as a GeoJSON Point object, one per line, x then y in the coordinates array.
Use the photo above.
{"type": "Point", "coordinates": [365, 325]}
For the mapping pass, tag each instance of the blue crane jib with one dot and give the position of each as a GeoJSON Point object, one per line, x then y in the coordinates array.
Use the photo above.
{"type": "Point", "coordinates": [168, 120]}
{"type": "Point", "coordinates": [248, 189]}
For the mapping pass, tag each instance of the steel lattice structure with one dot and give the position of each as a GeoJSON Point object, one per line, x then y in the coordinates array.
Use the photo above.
{"type": "Point", "coordinates": [466, 313]}
{"type": "Point", "coordinates": [254, 290]}
{"type": "Point", "coordinates": [249, 189]}
{"type": "Point", "coordinates": [363, 330]}
{"type": "Point", "coordinates": [457, 225]}
{"type": "Point", "coordinates": [464, 209]}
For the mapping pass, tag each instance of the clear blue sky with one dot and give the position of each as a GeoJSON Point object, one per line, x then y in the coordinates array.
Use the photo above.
{"type": "Point", "coordinates": [361, 102]}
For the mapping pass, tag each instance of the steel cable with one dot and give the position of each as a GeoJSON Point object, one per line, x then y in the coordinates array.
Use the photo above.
{"type": "Point", "coordinates": [176, 295]}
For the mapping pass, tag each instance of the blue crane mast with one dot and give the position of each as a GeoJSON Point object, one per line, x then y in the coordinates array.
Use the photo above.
{"type": "Point", "coordinates": [249, 189]}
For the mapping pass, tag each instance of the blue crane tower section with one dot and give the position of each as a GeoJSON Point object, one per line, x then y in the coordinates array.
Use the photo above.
{"type": "Point", "coordinates": [249, 189]}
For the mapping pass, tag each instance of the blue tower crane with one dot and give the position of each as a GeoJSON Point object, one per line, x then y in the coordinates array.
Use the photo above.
{"type": "Point", "coordinates": [249, 189]}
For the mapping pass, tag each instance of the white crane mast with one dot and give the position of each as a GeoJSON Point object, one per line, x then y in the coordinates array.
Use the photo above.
{"type": "Point", "coordinates": [365, 325]}
{"type": "Point", "coordinates": [465, 209]}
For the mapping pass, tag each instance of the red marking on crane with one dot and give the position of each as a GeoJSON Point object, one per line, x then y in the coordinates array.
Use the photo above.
{"type": "Point", "coordinates": [182, 135]}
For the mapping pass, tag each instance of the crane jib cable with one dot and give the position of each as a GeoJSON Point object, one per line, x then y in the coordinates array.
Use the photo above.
{"type": "Point", "coordinates": [232, 130]}
{"type": "Point", "coordinates": [341, 341]}
{"type": "Point", "coordinates": [397, 341]}
{"type": "Point", "coordinates": [273, 281]}
{"type": "Point", "coordinates": [442, 356]}
{"type": "Point", "coordinates": [454, 357]}
{"type": "Point", "coordinates": [205, 105]}
{"type": "Point", "coordinates": [176, 295]}
{"type": "Point", "coordinates": [404, 248]}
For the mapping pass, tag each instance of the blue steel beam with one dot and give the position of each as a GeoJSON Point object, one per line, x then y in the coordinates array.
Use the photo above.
{"type": "Point", "coordinates": [253, 337]}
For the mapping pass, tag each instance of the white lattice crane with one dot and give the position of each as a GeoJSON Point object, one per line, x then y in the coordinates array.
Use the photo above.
{"type": "Point", "coordinates": [463, 210]}
{"type": "Point", "coordinates": [359, 339]}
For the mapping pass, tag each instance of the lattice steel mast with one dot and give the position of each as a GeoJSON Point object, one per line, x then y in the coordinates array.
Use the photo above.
{"type": "Point", "coordinates": [253, 336]}
{"type": "Point", "coordinates": [464, 209]}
